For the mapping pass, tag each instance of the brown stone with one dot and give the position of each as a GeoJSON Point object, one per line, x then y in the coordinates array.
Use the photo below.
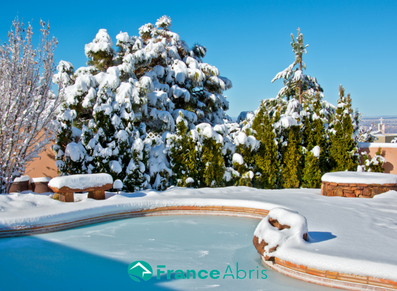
{"type": "Point", "coordinates": [349, 193]}
{"type": "Point", "coordinates": [97, 194]}
{"type": "Point", "coordinates": [66, 197]}
{"type": "Point", "coordinates": [367, 192]}
{"type": "Point", "coordinates": [339, 192]}
{"type": "Point", "coordinates": [276, 224]}
{"type": "Point", "coordinates": [358, 192]}
{"type": "Point", "coordinates": [305, 236]}
{"type": "Point", "coordinates": [260, 247]}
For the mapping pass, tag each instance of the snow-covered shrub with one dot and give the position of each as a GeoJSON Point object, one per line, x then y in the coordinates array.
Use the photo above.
{"type": "Point", "coordinates": [375, 164]}
{"type": "Point", "coordinates": [124, 97]}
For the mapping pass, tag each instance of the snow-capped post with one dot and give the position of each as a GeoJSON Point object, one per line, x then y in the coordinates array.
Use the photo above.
{"type": "Point", "coordinates": [28, 106]}
{"type": "Point", "coordinates": [118, 185]}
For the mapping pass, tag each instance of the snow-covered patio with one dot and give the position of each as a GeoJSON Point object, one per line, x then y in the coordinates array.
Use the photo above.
{"type": "Point", "coordinates": [351, 236]}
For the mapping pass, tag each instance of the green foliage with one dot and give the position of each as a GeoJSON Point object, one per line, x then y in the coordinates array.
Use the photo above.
{"type": "Point", "coordinates": [311, 177]}
{"type": "Point", "coordinates": [376, 163]}
{"type": "Point", "coordinates": [185, 162]}
{"type": "Point", "coordinates": [343, 149]}
{"type": "Point", "coordinates": [266, 155]}
{"type": "Point", "coordinates": [291, 169]}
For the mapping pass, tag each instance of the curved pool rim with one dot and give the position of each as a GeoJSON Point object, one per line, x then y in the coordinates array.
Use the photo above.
{"type": "Point", "coordinates": [297, 271]}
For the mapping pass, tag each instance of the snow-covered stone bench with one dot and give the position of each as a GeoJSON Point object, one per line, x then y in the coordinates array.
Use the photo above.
{"type": "Point", "coordinates": [357, 184]}
{"type": "Point", "coordinates": [94, 184]}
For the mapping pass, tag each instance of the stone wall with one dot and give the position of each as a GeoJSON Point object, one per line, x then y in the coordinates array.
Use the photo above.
{"type": "Point", "coordinates": [355, 189]}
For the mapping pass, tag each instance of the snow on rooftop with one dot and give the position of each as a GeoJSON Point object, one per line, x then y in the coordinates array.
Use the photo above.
{"type": "Point", "coordinates": [359, 177]}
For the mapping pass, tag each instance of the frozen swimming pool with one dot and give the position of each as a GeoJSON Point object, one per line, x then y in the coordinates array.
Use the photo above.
{"type": "Point", "coordinates": [96, 257]}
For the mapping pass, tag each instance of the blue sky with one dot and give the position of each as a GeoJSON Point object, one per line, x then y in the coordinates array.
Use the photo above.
{"type": "Point", "coordinates": [351, 43]}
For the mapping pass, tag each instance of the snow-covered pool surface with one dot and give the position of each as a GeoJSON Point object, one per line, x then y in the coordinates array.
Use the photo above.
{"type": "Point", "coordinates": [97, 257]}
{"type": "Point", "coordinates": [359, 177]}
{"type": "Point", "coordinates": [352, 236]}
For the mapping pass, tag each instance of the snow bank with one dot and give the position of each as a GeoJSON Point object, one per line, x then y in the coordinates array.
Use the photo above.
{"type": "Point", "coordinates": [81, 181]}
{"type": "Point", "coordinates": [359, 177]}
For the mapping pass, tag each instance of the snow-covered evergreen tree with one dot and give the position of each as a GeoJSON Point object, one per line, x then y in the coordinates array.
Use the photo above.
{"type": "Point", "coordinates": [343, 135]}
{"type": "Point", "coordinates": [152, 78]}
{"type": "Point", "coordinates": [267, 157]}
{"type": "Point", "coordinates": [296, 84]}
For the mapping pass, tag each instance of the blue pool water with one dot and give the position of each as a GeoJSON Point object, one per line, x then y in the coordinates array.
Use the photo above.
{"type": "Point", "coordinates": [97, 257]}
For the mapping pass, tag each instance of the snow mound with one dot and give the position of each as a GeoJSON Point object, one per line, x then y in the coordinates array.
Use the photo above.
{"type": "Point", "coordinates": [81, 181]}
{"type": "Point", "coordinates": [359, 177]}
{"type": "Point", "coordinates": [118, 184]}
{"type": "Point", "coordinates": [280, 227]}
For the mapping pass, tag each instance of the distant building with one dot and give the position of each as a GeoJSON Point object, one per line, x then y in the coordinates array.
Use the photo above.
{"type": "Point", "coordinates": [381, 135]}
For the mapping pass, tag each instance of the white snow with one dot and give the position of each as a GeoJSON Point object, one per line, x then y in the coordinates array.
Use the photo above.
{"type": "Point", "coordinates": [22, 178]}
{"type": "Point", "coordinates": [237, 158]}
{"type": "Point", "coordinates": [316, 151]}
{"type": "Point", "coordinates": [81, 181]}
{"type": "Point", "coordinates": [359, 177]}
{"type": "Point", "coordinates": [41, 179]}
{"type": "Point", "coordinates": [118, 184]}
{"type": "Point", "coordinates": [75, 151]}
{"type": "Point", "coordinates": [352, 236]}
{"type": "Point", "coordinates": [189, 180]}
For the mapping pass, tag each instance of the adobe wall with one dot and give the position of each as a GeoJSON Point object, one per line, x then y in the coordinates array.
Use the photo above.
{"type": "Point", "coordinates": [44, 165]}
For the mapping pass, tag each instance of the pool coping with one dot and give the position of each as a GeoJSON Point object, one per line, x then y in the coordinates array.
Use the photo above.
{"type": "Point", "coordinates": [301, 272]}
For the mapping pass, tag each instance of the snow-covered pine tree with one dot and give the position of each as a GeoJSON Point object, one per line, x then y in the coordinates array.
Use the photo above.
{"type": "Point", "coordinates": [314, 138]}
{"type": "Point", "coordinates": [296, 84]}
{"type": "Point", "coordinates": [343, 150]}
{"type": "Point", "coordinates": [100, 52]}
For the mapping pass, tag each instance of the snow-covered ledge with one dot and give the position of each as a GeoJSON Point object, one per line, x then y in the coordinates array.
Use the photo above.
{"type": "Point", "coordinates": [357, 184]}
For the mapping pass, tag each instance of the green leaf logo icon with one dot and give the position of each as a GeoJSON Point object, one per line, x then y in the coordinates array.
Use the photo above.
{"type": "Point", "coordinates": [140, 271]}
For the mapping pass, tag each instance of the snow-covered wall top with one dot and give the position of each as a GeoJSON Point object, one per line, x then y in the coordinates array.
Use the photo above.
{"type": "Point", "coordinates": [359, 177]}
{"type": "Point", "coordinates": [81, 181]}
{"type": "Point", "coordinates": [377, 145]}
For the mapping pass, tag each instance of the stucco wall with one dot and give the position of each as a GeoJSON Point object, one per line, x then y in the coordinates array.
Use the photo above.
{"type": "Point", "coordinates": [44, 165]}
